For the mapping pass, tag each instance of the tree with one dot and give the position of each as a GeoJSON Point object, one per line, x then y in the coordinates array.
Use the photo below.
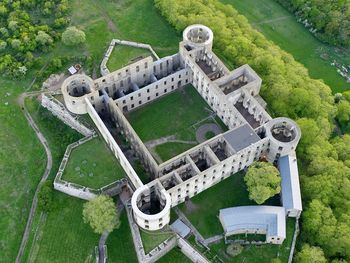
{"type": "Point", "coordinates": [3, 45]}
{"type": "Point", "coordinates": [101, 214]}
{"type": "Point", "coordinates": [43, 38]}
{"type": "Point", "coordinates": [263, 181]}
{"type": "Point", "coordinates": [341, 144]}
{"type": "Point", "coordinates": [343, 113]}
{"type": "Point", "coordinates": [45, 197]}
{"type": "Point", "coordinates": [73, 36]}
{"type": "Point", "coordinates": [16, 44]}
{"type": "Point", "coordinates": [309, 254]}
{"type": "Point", "coordinates": [319, 222]}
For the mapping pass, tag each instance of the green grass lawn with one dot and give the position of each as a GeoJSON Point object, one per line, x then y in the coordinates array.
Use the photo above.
{"type": "Point", "coordinates": [169, 150]}
{"type": "Point", "coordinates": [63, 236]}
{"type": "Point", "coordinates": [228, 193]}
{"type": "Point", "coordinates": [174, 256]}
{"type": "Point", "coordinates": [152, 239]}
{"type": "Point", "coordinates": [280, 26]}
{"type": "Point", "coordinates": [123, 55]}
{"type": "Point", "coordinates": [120, 246]}
{"type": "Point", "coordinates": [172, 114]}
{"type": "Point", "coordinates": [93, 165]}
{"type": "Point", "coordinates": [265, 253]}
{"type": "Point", "coordinates": [23, 161]}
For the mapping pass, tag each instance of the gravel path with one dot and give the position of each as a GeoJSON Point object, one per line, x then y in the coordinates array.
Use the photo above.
{"type": "Point", "coordinates": [208, 127]}
{"type": "Point", "coordinates": [43, 141]}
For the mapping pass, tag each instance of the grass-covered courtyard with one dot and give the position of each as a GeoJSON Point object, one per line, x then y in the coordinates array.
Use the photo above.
{"type": "Point", "coordinates": [265, 253]}
{"type": "Point", "coordinates": [124, 55]}
{"type": "Point", "coordinates": [228, 193]}
{"type": "Point", "coordinates": [169, 150]}
{"type": "Point", "coordinates": [179, 114]}
{"type": "Point", "coordinates": [93, 165]}
{"type": "Point", "coordinates": [151, 239]}
{"type": "Point", "coordinates": [174, 256]}
{"type": "Point", "coordinates": [173, 114]}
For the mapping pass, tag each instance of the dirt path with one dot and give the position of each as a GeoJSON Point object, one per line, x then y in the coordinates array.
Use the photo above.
{"type": "Point", "coordinates": [272, 20]}
{"type": "Point", "coordinates": [43, 141]}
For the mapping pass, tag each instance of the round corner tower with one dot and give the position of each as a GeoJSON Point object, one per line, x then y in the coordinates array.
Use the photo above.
{"type": "Point", "coordinates": [198, 36]}
{"type": "Point", "coordinates": [75, 89]}
{"type": "Point", "coordinates": [284, 135]}
{"type": "Point", "coordinates": [151, 207]}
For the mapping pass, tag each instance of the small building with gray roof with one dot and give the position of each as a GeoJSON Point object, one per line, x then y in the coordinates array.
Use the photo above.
{"type": "Point", "coordinates": [268, 220]}
{"type": "Point", "coordinates": [290, 187]}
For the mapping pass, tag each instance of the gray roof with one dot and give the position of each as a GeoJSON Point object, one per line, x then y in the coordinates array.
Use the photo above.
{"type": "Point", "coordinates": [290, 186]}
{"type": "Point", "coordinates": [241, 137]}
{"type": "Point", "coordinates": [180, 228]}
{"type": "Point", "coordinates": [242, 218]}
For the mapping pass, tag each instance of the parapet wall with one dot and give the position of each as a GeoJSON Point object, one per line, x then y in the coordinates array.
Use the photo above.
{"type": "Point", "coordinates": [77, 190]}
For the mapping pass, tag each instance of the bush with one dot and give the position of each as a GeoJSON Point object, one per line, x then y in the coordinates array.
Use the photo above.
{"type": "Point", "coordinates": [45, 197]}
{"type": "Point", "coordinates": [234, 249]}
{"type": "Point", "coordinates": [73, 36]}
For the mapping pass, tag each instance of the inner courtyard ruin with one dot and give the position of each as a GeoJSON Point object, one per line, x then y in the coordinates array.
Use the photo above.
{"type": "Point", "coordinates": [234, 97]}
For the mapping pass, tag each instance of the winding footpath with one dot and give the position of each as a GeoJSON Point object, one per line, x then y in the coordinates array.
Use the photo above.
{"type": "Point", "coordinates": [43, 141]}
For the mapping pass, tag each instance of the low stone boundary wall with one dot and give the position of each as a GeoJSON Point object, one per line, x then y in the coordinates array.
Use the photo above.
{"type": "Point", "coordinates": [163, 248]}
{"type": "Point", "coordinates": [190, 252]}
{"type": "Point", "coordinates": [104, 69]}
{"type": "Point", "coordinates": [296, 232]}
{"type": "Point", "coordinates": [60, 111]}
{"type": "Point", "coordinates": [80, 191]}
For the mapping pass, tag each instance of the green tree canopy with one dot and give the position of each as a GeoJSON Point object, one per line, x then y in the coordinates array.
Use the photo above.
{"type": "Point", "coordinates": [343, 113]}
{"type": "Point", "coordinates": [263, 181]}
{"type": "Point", "coordinates": [309, 254]}
{"type": "Point", "coordinates": [101, 214]}
{"type": "Point", "coordinates": [72, 36]}
{"type": "Point", "coordinates": [43, 38]}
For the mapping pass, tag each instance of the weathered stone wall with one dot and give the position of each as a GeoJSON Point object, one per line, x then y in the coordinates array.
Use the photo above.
{"type": "Point", "coordinates": [190, 252]}
{"type": "Point", "coordinates": [104, 69]}
{"type": "Point", "coordinates": [80, 191]}
{"type": "Point", "coordinates": [154, 90]}
{"type": "Point", "coordinates": [216, 173]}
{"type": "Point", "coordinates": [135, 141]}
{"type": "Point", "coordinates": [60, 111]}
{"type": "Point", "coordinates": [129, 170]}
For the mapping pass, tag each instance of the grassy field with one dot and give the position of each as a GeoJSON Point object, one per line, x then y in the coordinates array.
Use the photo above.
{"type": "Point", "coordinates": [124, 55]}
{"type": "Point", "coordinates": [169, 115]}
{"type": "Point", "coordinates": [169, 150]}
{"type": "Point", "coordinates": [152, 239]}
{"type": "Point", "coordinates": [230, 192]}
{"type": "Point", "coordinates": [63, 236]}
{"type": "Point", "coordinates": [264, 253]}
{"type": "Point", "coordinates": [23, 161]}
{"type": "Point", "coordinates": [93, 165]}
{"type": "Point", "coordinates": [120, 246]}
{"type": "Point", "coordinates": [280, 26]}
{"type": "Point", "coordinates": [174, 256]}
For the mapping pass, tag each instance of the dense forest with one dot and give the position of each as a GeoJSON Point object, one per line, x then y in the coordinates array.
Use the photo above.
{"type": "Point", "coordinates": [324, 162]}
{"type": "Point", "coordinates": [28, 28]}
{"type": "Point", "coordinates": [329, 20]}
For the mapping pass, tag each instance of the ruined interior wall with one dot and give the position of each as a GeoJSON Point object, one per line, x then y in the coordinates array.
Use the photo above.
{"type": "Point", "coordinates": [154, 90]}
{"type": "Point", "coordinates": [129, 170]}
{"type": "Point", "coordinates": [135, 141]}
